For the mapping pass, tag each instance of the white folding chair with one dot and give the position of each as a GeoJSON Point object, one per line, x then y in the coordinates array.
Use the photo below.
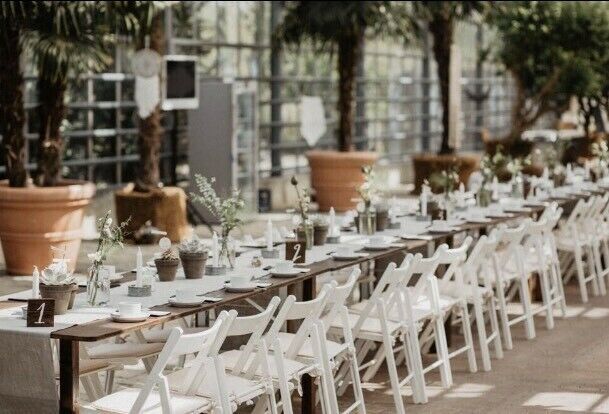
{"type": "Point", "coordinates": [477, 290]}
{"type": "Point", "coordinates": [576, 244]}
{"type": "Point", "coordinates": [508, 264]}
{"type": "Point", "coordinates": [155, 395]}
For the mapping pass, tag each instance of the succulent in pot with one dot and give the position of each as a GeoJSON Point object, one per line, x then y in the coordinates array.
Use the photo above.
{"type": "Point", "coordinates": [57, 282]}
{"type": "Point", "coordinates": [167, 265]}
{"type": "Point", "coordinates": [193, 255]}
{"type": "Point", "coordinates": [320, 231]}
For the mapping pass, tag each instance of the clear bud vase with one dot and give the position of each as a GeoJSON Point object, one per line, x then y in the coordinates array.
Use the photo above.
{"type": "Point", "coordinates": [98, 286]}
{"type": "Point", "coordinates": [366, 221]}
{"type": "Point", "coordinates": [305, 232]}
{"type": "Point", "coordinates": [227, 252]}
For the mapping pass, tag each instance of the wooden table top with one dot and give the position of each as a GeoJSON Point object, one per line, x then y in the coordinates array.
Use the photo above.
{"type": "Point", "coordinates": [106, 328]}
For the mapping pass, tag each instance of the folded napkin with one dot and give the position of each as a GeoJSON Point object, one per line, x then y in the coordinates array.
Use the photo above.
{"type": "Point", "coordinates": [416, 237]}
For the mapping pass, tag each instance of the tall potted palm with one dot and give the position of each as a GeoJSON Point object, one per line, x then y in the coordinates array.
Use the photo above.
{"type": "Point", "coordinates": [439, 19]}
{"type": "Point", "coordinates": [340, 27]}
{"type": "Point", "coordinates": [66, 39]}
{"type": "Point", "coordinates": [145, 199]}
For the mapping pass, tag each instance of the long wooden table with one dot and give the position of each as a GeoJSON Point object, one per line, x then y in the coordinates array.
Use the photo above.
{"type": "Point", "coordinates": [69, 338]}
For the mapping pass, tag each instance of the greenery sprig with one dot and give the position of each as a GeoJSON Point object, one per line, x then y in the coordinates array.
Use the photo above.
{"type": "Point", "coordinates": [224, 210]}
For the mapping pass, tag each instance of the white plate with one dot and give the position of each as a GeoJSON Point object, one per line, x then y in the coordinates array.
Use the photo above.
{"type": "Point", "coordinates": [116, 317]}
{"type": "Point", "coordinates": [383, 246]}
{"type": "Point", "coordinates": [189, 304]}
{"type": "Point", "coordinates": [352, 256]}
{"type": "Point", "coordinates": [250, 287]}
{"type": "Point", "coordinates": [440, 230]}
{"type": "Point", "coordinates": [478, 220]}
{"type": "Point", "coordinates": [286, 273]}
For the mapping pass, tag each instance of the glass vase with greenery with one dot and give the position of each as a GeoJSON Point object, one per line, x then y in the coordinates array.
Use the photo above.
{"type": "Point", "coordinates": [110, 237]}
{"type": "Point", "coordinates": [305, 229]}
{"type": "Point", "coordinates": [226, 211]}
{"type": "Point", "coordinates": [366, 212]}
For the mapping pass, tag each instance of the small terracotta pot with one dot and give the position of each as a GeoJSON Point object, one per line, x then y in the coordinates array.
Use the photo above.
{"type": "Point", "coordinates": [382, 220]}
{"type": "Point", "coordinates": [62, 295]}
{"type": "Point", "coordinates": [167, 269]}
{"type": "Point", "coordinates": [336, 176]}
{"type": "Point", "coordinates": [34, 219]}
{"type": "Point", "coordinates": [193, 264]}
{"type": "Point", "coordinates": [320, 234]}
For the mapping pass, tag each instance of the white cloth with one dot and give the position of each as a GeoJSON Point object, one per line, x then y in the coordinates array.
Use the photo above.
{"type": "Point", "coordinates": [312, 119]}
{"type": "Point", "coordinates": [147, 95]}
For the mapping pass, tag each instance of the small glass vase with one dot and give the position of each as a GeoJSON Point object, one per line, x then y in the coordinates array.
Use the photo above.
{"type": "Point", "coordinates": [366, 221]}
{"type": "Point", "coordinates": [98, 286]}
{"type": "Point", "coordinates": [517, 187]}
{"type": "Point", "coordinates": [228, 252]}
{"type": "Point", "coordinates": [305, 232]}
{"type": "Point", "coordinates": [483, 197]}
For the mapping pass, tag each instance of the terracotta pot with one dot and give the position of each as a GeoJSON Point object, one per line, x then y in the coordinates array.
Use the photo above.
{"type": "Point", "coordinates": [335, 176]}
{"type": "Point", "coordinates": [167, 269]}
{"type": "Point", "coordinates": [62, 295]}
{"type": "Point", "coordinates": [32, 219]}
{"type": "Point", "coordinates": [426, 164]}
{"type": "Point", "coordinates": [193, 264]}
{"type": "Point", "coordinates": [164, 207]}
{"type": "Point", "coordinates": [320, 234]}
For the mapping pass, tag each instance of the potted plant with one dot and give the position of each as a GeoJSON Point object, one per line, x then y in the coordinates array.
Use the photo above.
{"type": "Point", "coordinates": [147, 199]}
{"type": "Point", "coordinates": [57, 282]}
{"type": "Point", "coordinates": [440, 18]}
{"type": "Point", "coordinates": [47, 210]}
{"type": "Point", "coordinates": [110, 237]}
{"type": "Point", "coordinates": [167, 265]}
{"type": "Point", "coordinates": [320, 231]}
{"type": "Point", "coordinates": [304, 230]}
{"type": "Point", "coordinates": [226, 211]}
{"type": "Point", "coordinates": [193, 256]}
{"type": "Point", "coordinates": [540, 46]}
{"type": "Point", "coordinates": [340, 27]}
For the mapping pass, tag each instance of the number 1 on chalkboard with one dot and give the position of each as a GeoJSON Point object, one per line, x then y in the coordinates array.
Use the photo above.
{"type": "Point", "coordinates": [41, 309]}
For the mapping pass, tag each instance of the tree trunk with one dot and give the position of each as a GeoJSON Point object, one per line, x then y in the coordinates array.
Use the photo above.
{"type": "Point", "coordinates": [12, 116]}
{"type": "Point", "coordinates": [441, 28]}
{"type": "Point", "coordinates": [52, 110]}
{"type": "Point", "coordinates": [348, 51]}
{"type": "Point", "coordinates": [150, 135]}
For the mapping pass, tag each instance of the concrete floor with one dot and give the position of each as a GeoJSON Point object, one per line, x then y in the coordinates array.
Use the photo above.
{"type": "Point", "coordinates": [563, 370]}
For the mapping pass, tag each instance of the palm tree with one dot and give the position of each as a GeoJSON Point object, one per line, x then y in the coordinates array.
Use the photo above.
{"type": "Point", "coordinates": [13, 16]}
{"type": "Point", "coordinates": [440, 19]}
{"type": "Point", "coordinates": [341, 26]}
{"type": "Point", "coordinates": [68, 38]}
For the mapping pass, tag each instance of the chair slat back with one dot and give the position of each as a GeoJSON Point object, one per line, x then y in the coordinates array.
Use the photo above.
{"type": "Point", "coordinates": [337, 298]}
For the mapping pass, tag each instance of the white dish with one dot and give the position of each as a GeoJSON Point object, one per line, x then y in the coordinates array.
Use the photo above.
{"type": "Point", "coordinates": [478, 220]}
{"type": "Point", "coordinates": [188, 304]}
{"type": "Point", "coordinates": [440, 229]}
{"type": "Point", "coordinates": [348, 256]}
{"type": "Point", "coordinates": [381, 246]}
{"type": "Point", "coordinates": [117, 317]}
{"type": "Point", "coordinates": [286, 272]}
{"type": "Point", "coordinates": [240, 289]}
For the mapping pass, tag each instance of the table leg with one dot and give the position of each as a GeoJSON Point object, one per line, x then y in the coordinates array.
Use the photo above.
{"type": "Point", "coordinates": [308, 388]}
{"type": "Point", "coordinates": [68, 376]}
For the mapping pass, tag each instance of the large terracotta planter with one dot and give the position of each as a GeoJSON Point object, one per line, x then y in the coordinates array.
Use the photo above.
{"type": "Point", "coordinates": [335, 176]}
{"type": "Point", "coordinates": [33, 219]}
{"type": "Point", "coordinates": [164, 207]}
{"type": "Point", "coordinates": [426, 164]}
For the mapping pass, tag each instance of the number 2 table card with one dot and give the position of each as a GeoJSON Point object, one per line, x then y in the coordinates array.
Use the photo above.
{"type": "Point", "coordinates": [295, 251]}
{"type": "Point", "coordinates": [40, 313]}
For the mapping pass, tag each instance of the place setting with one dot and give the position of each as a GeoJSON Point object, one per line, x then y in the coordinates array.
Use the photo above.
{"type": "Point", "coordinates": [129, 312]}
{"type": "Point", "coordinates": [286, 269]}
{"type": "Point", "coordinates": [346, 253]}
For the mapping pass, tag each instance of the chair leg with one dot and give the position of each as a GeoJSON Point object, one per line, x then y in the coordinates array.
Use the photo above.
{"type": "Point", "coordinates": [481, 327]}
{"type": "Point", "coordinates": [495, 328]}
{"type": "Point", "coordinates": [89, 389]}
{"type": "Point", "coordinates": [442, 351]}
{"type": "Point", "coordinates": [592, 270]}
{"type": "Point", "coordinates": [414, 348]}
{"type": "Point", "coordinates": [581, 276]}
{"type": "Point", "coordinates": [469, 340]}
{"type": "Point", "coordinates": [391, 367]}
{"type": "Point", "coordinates": [358, 392]}
{"type": "Point", "coordinates": [546, 297]}
{"type": "Point", "coordinates": [599, 268]}
{"type": "Point", "coordinates": [109, 381]}
{"type": "Point", "coordinates": [505, 323]}
{"type": "Point", "coordinates": [529, 323]}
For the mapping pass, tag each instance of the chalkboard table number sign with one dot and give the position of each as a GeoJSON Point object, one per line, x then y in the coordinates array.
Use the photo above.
{"type": "Point", "coordinates": [296, 251]}
{"type": "Point", "coordinates": [40, 313]}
